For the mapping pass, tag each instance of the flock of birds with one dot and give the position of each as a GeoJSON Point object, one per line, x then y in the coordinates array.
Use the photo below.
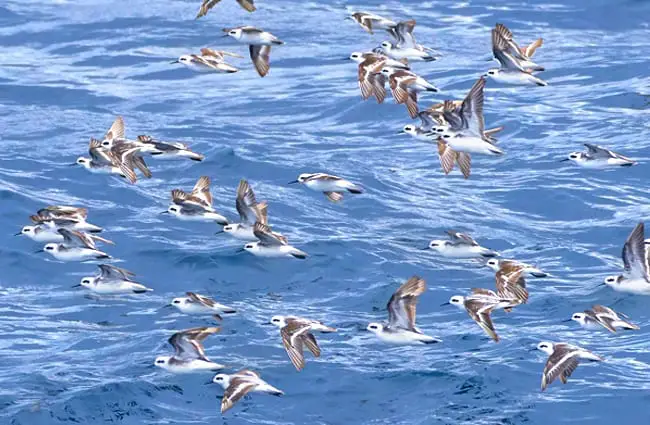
{"type": "Point", "coordinates": [458, 129]}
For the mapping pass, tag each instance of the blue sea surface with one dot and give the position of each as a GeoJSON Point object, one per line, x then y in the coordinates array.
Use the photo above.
{"type": "Point", "coordinates": [70, 66]}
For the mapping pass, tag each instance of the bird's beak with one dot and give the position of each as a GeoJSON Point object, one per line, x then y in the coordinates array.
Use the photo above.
{"type": "Point", "coordinates": [76, 286]}
{"type": "Point", "coordinates": [18, 234]}
{"type": "Point", "coordinates": [567, 320]}
{"type": "Point", "coordinates": [220, 232]}
{"type": "Point", "coordinates": [40, 250]}
{"type": "Point", "coordinates": [565, 159]}
{"type": "Point", "coordinates": [293, 182]}
{"type": "Point", "coordinates": [209, 382]}
{"type": "Point", "coordinates": [225, 35]}
{"type": "Point", "coordinates": [167, 306]}
{"type": "Point", "coordinates": [241, 250]}
{"type": "Point", "coordinates": [401, 131]}
{"type": "Point", "coordinates": [267, 324]}
{"type": "Point", "coordinates": [447, 303]}
{"type": "Point", "coordinates": [72, 165]}
{"type": "Point", "coordinates": [424, 249]}
{"type": "Point", "coordinates": [176, 61]}
{"type": "Point", "coordinates": [346, 59]}
{"type": "Point", "coordinates": [533, 349]}
{"type": "Point", "coordinates": [165, 212]}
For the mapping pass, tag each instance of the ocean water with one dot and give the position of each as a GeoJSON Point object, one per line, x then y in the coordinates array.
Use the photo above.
{"type": "Point", "coordinates": [69, 67]}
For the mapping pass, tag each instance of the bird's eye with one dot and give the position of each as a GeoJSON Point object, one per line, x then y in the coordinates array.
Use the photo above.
{"type": "Point", "coordinates": [176, 302]}
{"type": "Point", "coordinates": [219, 378]}
{"type": "Point", "coordinates": [576, 316]}
{"type": "Point", "coordinates": [233, 32]}
{"type": "Point", "coordinates": [49, 248]}
{"type": "Point", "coordinates": [491, 72]}
{"type": "Point", "coordinates": [249, 246]}
{"type": "Point", "coordinates": [86, 281]}
{"type": "Point", "coordinates": [160, 361]}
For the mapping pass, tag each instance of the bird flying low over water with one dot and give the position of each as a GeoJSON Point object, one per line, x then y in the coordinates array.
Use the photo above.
{"type": "Point", "coordinates": [516, 67]}
{"type": "Point", "coordinates": [239, 384]}
{"type": "Point", "coordinates": [297, 332]}
{"type": "Point", "coordinates": [196, 205]}
{"type": "Point", "coordinates": [189, 354]}
{"type": "Point", "coordinates": [401, 328]}
{"type": "Point", "coordinates": [636, 273]}
{"type": "Point", "coordinates": [562, 361]}
{"type": "Point", "coordinates": [208, 61]}
{"type": "Point", "coordinates": [597, 157]}
{"type": "Point", "coordinates": [259, 45]}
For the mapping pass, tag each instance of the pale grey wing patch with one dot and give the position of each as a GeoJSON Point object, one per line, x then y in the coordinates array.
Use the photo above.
{"type": "Point", "coordinates": [471, 110]}
{"type": "Point", "coordinates": [561, 363]}
{"type": "Point", "coordinates": [260, 55]}
{"type": "Point", "coordinates": [402, 304]}
{"type": "Point", "coordinates": [634, 254]}
{"type": "Point", "coordinates": [238, 388]}
{"type": "Point", "coordinates": [246, 203]}
{"type": "Point", "coordinates": [294, 348]}
{"type": "Point", "coordinates": [458, 238]}
{"type": "Point", "coordinates": [72, 238]}
{"type": "Point", "coordinates": [200, 299]}
{"type": "Point", "coordinates": [594, 151]}
{"type": "Point", "coordinates": [499, 49]}
{"type": "Point", "coordinates": [266, 236]}
{"type": "Point", "coordinates": [111, 272]}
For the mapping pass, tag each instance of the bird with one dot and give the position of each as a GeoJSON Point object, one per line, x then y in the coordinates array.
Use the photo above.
{"type": "Point", "coordinates": [511, 283]}
{"type": "Point", "coordinates": [120, 160]}
{"type": "Point", "coordinates": [297, 332]}
{"type": "Point", "coordinates": [496, 263]}
{"type": "Point", "coordinates": [512, 69]}
{"type": "Point", "coordinates": [600, 316]}
{"type": "Point", "coordinates": [333, 187]}
{"type": "Point", "coordinates": [104, 161]}
{"type": "Point", "coordinates": [189, 354]}
{"type": "Point", "coordinates": [598, 157]}
{"type": "Point", "coordinates": [424, 131]}
{"type": "Point", "coordinates": [76, 246]}
{"type": "Point", "coordinates": [259, 45]}
{"type": "Point", "coordinates": [196, 205]}
{"type": "Point", "coordinates": [238, 384]}
{"type": "Point", "coordinates": [401, 328]}
{"type": "Point", "coordinates": [371, 81]}
{"type": "Point", "coordinates": [460, 245]}
{"type": "Point", "coordinates": [635, 278]}
{"type": "Point", "coordinates": [405, 46]}
{"type": "Point", "coordinates": [248, 5]}
{"type": "Point", "coordinates": [197, 304]}
{"type": "Point", "coordinates": [371, 22]}
{"type": "Point", "coordinates": [208, 61]}
{"type": "Point", "coordinates": [479, 305]}
{"type": "Point", "coordinates": [521, 54]}
{"type": "Point", "coordinates": [75, 216]}
{"type": "Point", "coordinates": [562, 360]}
{"type": "Point", "coordinates": [45, 232]}
{"type": "Point", "coordinates": [465, 133]}
{"type": "Point", "coordinates": [113, 280]}
{"type": "Point", "coordinates": [147, 145]}
{"type": "Point", "coordinates": [271, 244]}
{"type": "Point", "coordinates": [405, 86]}
{"type": "Point", "coordinates": [250, 212]}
